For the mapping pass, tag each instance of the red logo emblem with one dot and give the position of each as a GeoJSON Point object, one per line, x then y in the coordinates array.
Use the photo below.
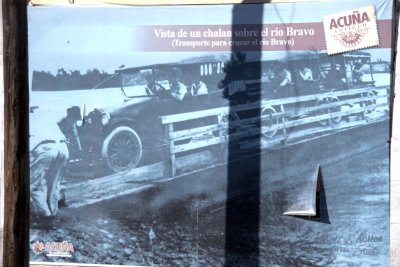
{"type": "Point", "coordinates": [38, 247]}
{"type": "Point", "coordinates": [351, 38]}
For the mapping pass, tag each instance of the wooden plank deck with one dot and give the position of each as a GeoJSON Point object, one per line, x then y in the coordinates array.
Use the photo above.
{"type": "Point", "coordinates": [82, 193]}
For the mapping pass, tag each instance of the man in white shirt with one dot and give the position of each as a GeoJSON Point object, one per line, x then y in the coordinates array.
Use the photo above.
{"type": "Point", "coordinates": [199, 88]}
{"type": "Point", "coordinates": [304, 73]}
{"type": "Point", "coordinates": [178, 89]}
{"type": "Point", "coordinates": [282, 78]}
{"type": "Point", "coordinates": [285, 76]}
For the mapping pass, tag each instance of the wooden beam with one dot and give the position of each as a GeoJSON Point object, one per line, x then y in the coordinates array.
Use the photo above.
{"type": "Point", "coordinates": [265, 103]}
{"type": "Point", "coordinates": [16, 182]}
{"type": "Point", "coordinates": [156, 2]}
{"type": "Point", "coordinates": [1, 144]}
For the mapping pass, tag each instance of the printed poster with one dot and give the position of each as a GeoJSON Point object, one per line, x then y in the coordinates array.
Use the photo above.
{"type": "Point", "coordinates": [211, 135]}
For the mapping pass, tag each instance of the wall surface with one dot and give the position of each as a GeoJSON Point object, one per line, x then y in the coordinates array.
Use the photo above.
{"type": "Point", "coordinates": [395, 172]}
{"type": "Point", "coordinates": [1, 144]}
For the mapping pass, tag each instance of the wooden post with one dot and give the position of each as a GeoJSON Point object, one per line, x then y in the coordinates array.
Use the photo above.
{"type": "Point", "coordinates": [363, 105]}
{"type": "Point", "coordinates": [223, 132]}
{"type": "Point", "coordinates": [1, 144]}
{"type": "Point", "coordinates": [16, 182]}
{"type": "Point", "coordinates": [169, 128]}
{"type": "Point", "coordinates": [283, 120]}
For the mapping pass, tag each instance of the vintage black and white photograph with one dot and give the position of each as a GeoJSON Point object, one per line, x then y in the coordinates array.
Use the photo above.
{"type": "Point", "coordinates": [209, 135]}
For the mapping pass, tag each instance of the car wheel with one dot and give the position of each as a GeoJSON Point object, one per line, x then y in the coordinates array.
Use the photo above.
{"type": "Point", "coordinates": [370, 105]}
{"type": "Point", "coordinates": [337, 109]}
{"type": "Point", "coordinates": [269, 122]}
{"type": "Point", "coordinates": [334, 118]}
{"type": "Point", "coordinates": [122, 149]}
{"type": "Point", "coordinates": [319, 111]}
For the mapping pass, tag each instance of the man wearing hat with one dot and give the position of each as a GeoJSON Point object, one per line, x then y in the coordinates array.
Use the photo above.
{"type": "Point", "coordinates": [47, 161]}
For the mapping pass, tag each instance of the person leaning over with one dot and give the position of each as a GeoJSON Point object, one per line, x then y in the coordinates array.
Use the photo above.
{"type": "Point", "coordinates": [48, 158]}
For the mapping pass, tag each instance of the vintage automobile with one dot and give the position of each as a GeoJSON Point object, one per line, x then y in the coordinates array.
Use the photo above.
{"type": "Point", "coordinates": [130, 134]}
{"type": "Point", "coordinates": [260, 79]}
{"type": "Point", "coordinates": [124, 136]}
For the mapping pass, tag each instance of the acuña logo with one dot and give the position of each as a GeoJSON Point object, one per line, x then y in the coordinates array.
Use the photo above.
{"type": "Point", "coordinates": [351, 19]}
{"type": "Point", "coordinates": [54, 249]}
{"type": "Point", "coordinates": [350, 29]}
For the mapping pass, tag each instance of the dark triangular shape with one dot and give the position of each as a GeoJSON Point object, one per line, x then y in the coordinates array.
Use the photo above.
{"type": "Point", "coordinates": [322, 207]}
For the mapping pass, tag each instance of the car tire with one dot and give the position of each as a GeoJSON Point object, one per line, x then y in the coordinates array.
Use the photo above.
{"type": "Point", "coordinates": [338, 108]}
{"type": "Point", "coordinates": [269, 122]}
{"type": "Point", "coordinates": [370, 105]}
{"type": "Point", "coordinates": [333, 119]}
{"type": "Point", "coordinates": [122, 149]}
{"type": "Point", "coordinates": [319, 112]}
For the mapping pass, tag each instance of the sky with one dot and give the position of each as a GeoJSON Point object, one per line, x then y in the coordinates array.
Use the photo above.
{"type": "Point", "coordinates": [82, 38]}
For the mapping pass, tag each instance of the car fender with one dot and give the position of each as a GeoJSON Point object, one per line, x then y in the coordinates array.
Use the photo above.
{"type": "Point", "coordinates": [120, 121]}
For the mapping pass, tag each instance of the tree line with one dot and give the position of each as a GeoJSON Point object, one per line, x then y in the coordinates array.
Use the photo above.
{"type": "Point", "coordinates": [73, 80]}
